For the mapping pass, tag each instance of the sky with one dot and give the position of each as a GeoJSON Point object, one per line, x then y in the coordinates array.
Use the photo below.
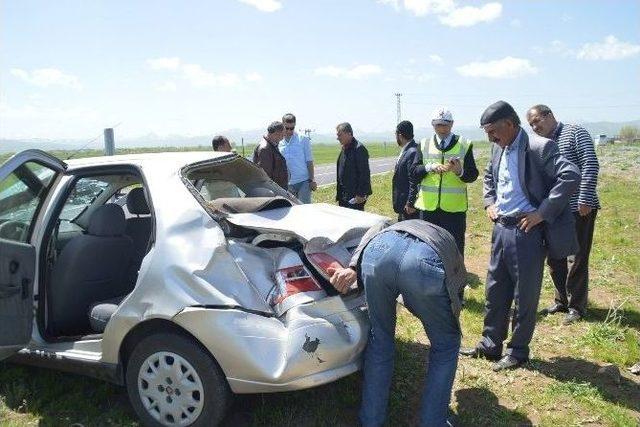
{"type": "Point", "coordinates": [68, 69]}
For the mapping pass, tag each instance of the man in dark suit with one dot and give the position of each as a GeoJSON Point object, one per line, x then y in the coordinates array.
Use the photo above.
{"type": "Point", "coordinates": [268, 157]}
{"type": "Point", "coordinates": [404, 187]}
{"type": "Point", "coordinates": [527, 186]}
{"type": "Point", "coordinates": [353, 176]}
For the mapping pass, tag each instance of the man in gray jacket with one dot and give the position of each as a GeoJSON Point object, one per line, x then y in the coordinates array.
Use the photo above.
{"type": "Point", "coordinates": [527, 186]}
{"type": "Point", "coordinates": [421, 262]}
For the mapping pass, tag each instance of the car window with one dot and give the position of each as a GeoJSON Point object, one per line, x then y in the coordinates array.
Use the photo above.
{"type": "Point", "coordinates": [83, 194]}
{"type": "Point", "coordinates": [236, 178]}
{"type": "Point", "coordinates": [21, 194]}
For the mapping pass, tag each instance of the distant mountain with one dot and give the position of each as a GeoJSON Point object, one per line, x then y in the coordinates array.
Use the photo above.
{"type": "Point", "coordinates": [254, 135]}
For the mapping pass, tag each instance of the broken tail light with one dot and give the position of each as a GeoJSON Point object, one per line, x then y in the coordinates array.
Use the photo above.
{"type": "Point", "coordinates": [294, 286]}
{"type": "Point", "coordinates": [323, 261]}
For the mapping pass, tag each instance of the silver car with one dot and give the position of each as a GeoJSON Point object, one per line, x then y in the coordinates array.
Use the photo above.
{"type": "Point", "coordinates": [186, 277]}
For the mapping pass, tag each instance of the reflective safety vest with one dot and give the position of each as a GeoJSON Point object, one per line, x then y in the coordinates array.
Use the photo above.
{"type": "Point", "coordinates": [445, 191]}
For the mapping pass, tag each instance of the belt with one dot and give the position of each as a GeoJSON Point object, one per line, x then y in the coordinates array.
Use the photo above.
{"type": "Point", "coordinates": [508, 221]}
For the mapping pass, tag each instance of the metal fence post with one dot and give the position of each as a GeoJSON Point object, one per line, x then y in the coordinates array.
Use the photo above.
{"type": "Point", "coordinates": [109, 142]}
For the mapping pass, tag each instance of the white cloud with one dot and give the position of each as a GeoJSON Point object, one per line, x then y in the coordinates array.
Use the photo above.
{"type": "Point", "coordinates": [357, 72]}
{"type": "Point", "coordinates": [426, 7]}
{"type": "Point", "coordinates": [609, 50]}
{"type": "Point", "coordinates": [253, 77]}
{"type": "Point", "coordinates": [436, 59]}
{"type": "Point", "coordinates": [45, 77]}
{"type": "Point", "coordinates": [263, 5]}
{"type": "Point", "coordinates": [196, 75]}
{"type": "Point", "coordinates": [164, 63]}
{"type": "Point", "coordinates": [448, 12]}
{"type": "Point", "coordinates": [506, 68]}
{"type": "Point", "coordinates": [469, 16]}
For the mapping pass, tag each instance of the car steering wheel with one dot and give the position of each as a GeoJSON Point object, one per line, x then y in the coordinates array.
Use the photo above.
{"type": "Point", "coordinates": [14, 230]}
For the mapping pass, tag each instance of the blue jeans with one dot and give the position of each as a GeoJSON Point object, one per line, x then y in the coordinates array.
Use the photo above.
{"type": "Point", "coordinates": [396, 263]}
{"type": "Point", "coordinates": [302, 190]}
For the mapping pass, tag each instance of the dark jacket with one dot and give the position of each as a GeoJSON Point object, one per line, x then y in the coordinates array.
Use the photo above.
{"type": "Point", "coordinates": [469, 169]}
{"type": "Point", "coordinates": [353, 175]}
{"type": "Point", "coordinates": [268, 157]}
{"type": "Point", "coordinates": [404, 187]}
{"type": "Point", "coordinates": [548, 180]}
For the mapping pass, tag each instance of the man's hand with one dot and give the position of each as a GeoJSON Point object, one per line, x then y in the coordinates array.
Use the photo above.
{"type": "Point", "coordinates": [529, 221]}
{"type": "Point", "coordinates": [313, 186]}
{"type": "Point", "coordinates": [360, 199]}
{"type": "Point", "coordinates": [492, 212]}
{"type": "Point", "coordinates": [442, 168]}
{"type": "Point", "coordinates": [342, 278]}
{"type": "Point", "coordinates": [584, 210]}
{"type": "Point", "coordinates": [408, 209]}
{"type": "Point", "coordinates": [455, 166]}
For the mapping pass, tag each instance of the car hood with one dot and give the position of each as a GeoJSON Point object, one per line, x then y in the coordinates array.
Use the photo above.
{"type": "Point", "coordinates": [312, 221]}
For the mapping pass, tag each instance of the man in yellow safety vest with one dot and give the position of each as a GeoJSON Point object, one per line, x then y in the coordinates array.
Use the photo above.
{"type": "Point", "coordinates": [448, 167]}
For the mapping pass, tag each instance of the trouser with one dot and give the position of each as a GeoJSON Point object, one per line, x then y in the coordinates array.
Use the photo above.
{"type": "Point", "coordinates": [395, 263]}
{"type": "Point", "coordinates": [515, 274]}
{"type": "Point", "coordinates": [571, 275]}
{"type": "Point", "coordinates": [356, 206]}
{"type": "Point", "coordinates": [454, 222]}
{"type": "Point", "coordinates": [302, 190]}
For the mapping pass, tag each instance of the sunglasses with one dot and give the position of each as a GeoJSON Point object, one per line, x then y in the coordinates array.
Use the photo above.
{"type": "Point", "coordinates": [289, 128]}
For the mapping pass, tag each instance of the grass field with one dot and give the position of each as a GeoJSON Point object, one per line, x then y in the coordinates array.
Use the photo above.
{"type": "Point", "coordinates": [559, 387]}
{"type": "Point", "coordinates": [322, 153]}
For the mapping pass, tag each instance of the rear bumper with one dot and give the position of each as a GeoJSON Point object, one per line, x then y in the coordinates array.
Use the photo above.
{"type": "Point", "coordinates": [312, 344]}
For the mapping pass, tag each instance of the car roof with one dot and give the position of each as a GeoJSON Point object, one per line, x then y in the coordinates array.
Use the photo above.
{"type": "Point", "coordinates": [169, 160]}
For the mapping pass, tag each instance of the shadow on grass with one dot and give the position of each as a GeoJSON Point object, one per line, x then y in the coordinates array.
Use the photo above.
{"type": "Point", "coordinates": [62, 399]}
{"type": "Point", "coordinates": [629, 316]}
{"type": "Point", "coordinates": [479, 406]}
{"type": "Point", "coordinates": [627, 393]}
{"type": "Point", "coordinates": [473, 280]}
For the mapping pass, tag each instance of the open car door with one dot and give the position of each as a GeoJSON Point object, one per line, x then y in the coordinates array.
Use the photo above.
{"type": "Point", "coordinates": [25, 181]}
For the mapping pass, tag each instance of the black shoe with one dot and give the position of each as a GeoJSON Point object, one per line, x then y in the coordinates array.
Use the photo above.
{"type": "Point", "coordinates": [507, 362]}
{"type": "Point", "coordinates": [553, 309]}
{"type": "Point", "coordinates": [571, 317]}
{"type": "Point", "coordinates": [476, 353]}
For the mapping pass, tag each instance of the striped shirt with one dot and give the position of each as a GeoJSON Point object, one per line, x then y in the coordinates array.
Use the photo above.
{"type": "Point", "coordinates": [576, 145]}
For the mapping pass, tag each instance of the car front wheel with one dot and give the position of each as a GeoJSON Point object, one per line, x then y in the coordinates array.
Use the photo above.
{"type": "Point", "coordinates": [173, 381]}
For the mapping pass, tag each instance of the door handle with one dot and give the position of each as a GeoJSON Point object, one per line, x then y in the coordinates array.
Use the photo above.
{"type": "Point", "coordinates": [9, 291]}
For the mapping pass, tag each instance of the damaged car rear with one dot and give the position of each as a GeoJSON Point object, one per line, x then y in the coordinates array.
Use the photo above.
{"type": "Point", "coordinates": [225, 288]}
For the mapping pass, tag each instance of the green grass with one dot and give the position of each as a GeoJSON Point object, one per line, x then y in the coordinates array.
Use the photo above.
{"type": "Point", "coordinates": [322, 153]}
{"type": "Point", "coordinates": [560, 387]}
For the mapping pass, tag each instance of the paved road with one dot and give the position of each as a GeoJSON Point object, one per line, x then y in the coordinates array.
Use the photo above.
{"type": "Point", "coordinates": [326, 174]}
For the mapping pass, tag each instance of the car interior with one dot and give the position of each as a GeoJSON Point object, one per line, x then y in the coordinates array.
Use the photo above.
{"type": "Point", "coordinates": [96, 245]}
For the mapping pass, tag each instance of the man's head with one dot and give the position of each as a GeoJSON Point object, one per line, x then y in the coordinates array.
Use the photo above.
{"type": "Point", "coordinates": [289, 121]}
{"type": "Point", "coordinates": [501, 123]}
{"type": "Point", "coordinates": [344, 133]}
{"type": "Point", "coordinates": [404, 132]}
{"type": "Point", "coordinates": [541, 120]}
{"type": "Point", "coordinates": [221, 143]}
{"type": "Point", "coordinates": [442, 121]}
{"type": "Point", "coordinates": [275, 132]}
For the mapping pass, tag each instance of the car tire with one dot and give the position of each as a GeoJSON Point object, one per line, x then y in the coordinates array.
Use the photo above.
{"type": "Point", "coordinates": [159, 366]}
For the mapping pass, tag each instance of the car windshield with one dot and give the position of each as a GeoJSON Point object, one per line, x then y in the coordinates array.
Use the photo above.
{"type": "Point", "coordinates": [234, 179]}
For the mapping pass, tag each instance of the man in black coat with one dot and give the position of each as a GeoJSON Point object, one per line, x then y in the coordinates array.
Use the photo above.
{"type": "Point", "coordinates": [353, 175]}
{"type": "Point", "coordinates": [404, 187]}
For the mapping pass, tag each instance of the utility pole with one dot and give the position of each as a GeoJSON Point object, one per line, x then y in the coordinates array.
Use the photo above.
{"type": "Point", "coordinates": [398, 107]}
{"type": "Point", "coordinates": [109, 142]}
